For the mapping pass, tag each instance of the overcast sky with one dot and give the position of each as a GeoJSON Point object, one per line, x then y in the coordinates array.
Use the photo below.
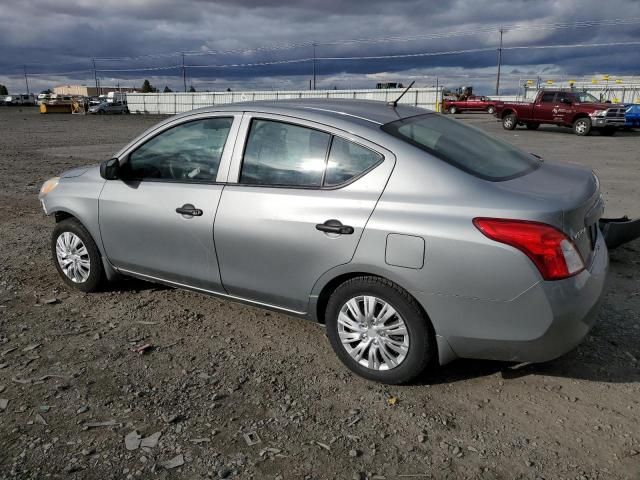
{"type": "Point", "coordinates": [55, 36]}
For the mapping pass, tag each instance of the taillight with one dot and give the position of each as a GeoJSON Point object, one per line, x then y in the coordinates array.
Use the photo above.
{"type": "Point", "coordinates": [552, 252]}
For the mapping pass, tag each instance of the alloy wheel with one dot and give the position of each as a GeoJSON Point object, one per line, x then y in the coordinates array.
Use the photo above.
{"type": "Point", "coordinates": [373, 333]}
{"type": "Point", "coordinates": [73, 257]}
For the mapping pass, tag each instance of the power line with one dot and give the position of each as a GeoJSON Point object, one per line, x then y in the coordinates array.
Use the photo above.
{"type": "Point", "coordinates": [75, 72]}
{"type": "Point", "coordinates": [144, 69]}
{"type": "Point", "coordinates": [383, 39]}
{"type": "Point", "coordinates": [347, 58]}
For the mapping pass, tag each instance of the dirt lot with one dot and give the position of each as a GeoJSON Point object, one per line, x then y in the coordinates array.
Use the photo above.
{"type": "Point", "coordinates": [218, 370]}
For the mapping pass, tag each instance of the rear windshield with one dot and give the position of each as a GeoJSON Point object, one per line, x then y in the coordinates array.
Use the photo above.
{"type": "Point", "coordinates": [463, 146]}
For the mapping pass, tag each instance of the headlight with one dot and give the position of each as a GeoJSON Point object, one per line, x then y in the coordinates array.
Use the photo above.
{"type": "Point", "coordinates": [598, 113]}
{"type": "Point", "coordinates": [48, 186]}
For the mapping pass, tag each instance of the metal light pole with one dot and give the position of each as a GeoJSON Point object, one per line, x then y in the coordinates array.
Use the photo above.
{"type": "Point", "coordinates": [95, 76]}
{"type": "Point", "coordinates": [314, 65]}
{"type": "Point", "coordinates": [499, 62]}
{"type": "Point", "coordinates": [184, 74]}
{"type": "Point", "coordinates": [26, 80]}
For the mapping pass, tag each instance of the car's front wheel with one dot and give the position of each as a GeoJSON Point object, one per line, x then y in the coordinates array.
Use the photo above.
{"type": "Point", "coordinates": [453, 110]}
{"type": "Point", "coordinates": [379, 331]}
{"type": "Point", "coordinates": [582, 126]}
{"type": "Point", "coordinates": [491, 109]}
{"type": "Point", "coordinates": [76, 256]}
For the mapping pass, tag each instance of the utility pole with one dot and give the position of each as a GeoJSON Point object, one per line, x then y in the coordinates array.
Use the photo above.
{"type": "Point", "coordinates": [314, 65]}
{"type": "Point", "coordinates": [95, 76]}
{"type": "Point", "coordinates": [499, 62]}
{"type": "Point", "coordinates": [26, 80]}
{"type": "Point", "coordinates": [184, 73]}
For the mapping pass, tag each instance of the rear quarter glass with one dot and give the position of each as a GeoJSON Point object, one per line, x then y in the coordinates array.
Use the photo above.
{"type": "Point", "coordinates": [464, 147]}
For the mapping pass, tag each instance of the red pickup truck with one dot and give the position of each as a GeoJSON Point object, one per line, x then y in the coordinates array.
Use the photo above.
{"type": "Point", "coordinates": [579, 110]}
{"type": "Point", "coordinates": [472, 103]}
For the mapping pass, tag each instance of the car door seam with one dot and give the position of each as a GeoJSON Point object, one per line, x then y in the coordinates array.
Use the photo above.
{"type": "Point", "coordinates": [215, 248]}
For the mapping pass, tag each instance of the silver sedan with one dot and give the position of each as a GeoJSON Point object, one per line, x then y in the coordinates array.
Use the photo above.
{"type": "Point", "coordinates": [415, 239]}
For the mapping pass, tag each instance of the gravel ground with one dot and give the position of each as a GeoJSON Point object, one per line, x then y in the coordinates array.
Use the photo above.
{"type": "Point", "coordinates": [232, 391]}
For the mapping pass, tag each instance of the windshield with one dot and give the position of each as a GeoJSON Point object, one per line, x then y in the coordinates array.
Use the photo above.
{"type": "Point", "coordinates": [585, 97]}
{"type": "Point", "coordinates": [463, 146]}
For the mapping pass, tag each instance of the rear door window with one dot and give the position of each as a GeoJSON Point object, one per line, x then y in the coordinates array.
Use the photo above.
{"type": "Point", "coordinates": [283, 154]}
{"type": "Point", "coordinates": [348, 160]}
{"type": "Point", "coordinates": [464, 147]}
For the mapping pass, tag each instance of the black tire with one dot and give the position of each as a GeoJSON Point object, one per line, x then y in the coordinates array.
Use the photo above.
{"type": "Point", "coordinates": [100, 112]}
{"type": "Point", "coordinates": [453, 110]}
{"type": "Point", "coordinates": [422, 348]}
{"type": "Point", "coordinates": [582, 126]}
{"type": "Point", "coordinates": [510, 121]}
{"type": "Point", "coordinates": [608, 132]}
{"type": "Point", "coordinates": [96, 269]}
{"type": "Point", "coordinates": [532, 125]}
{"type": "Point", "coordinates": [491, 109]}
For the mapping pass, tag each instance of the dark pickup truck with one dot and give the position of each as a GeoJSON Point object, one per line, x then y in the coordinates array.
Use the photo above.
{"type": "Point", "coordinates": [473, 103]}
{"type": "Point", "coordinates": [579, 110]}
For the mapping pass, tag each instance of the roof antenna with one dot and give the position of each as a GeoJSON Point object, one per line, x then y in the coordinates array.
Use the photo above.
{"type": "Point", "coordinates": [394, 104]}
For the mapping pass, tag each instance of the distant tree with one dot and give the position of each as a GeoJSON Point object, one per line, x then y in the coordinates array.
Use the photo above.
{"type": "Point", "coordinates": [191, 89]}
{"type": "Point", "coordinates": [147, 87]}
{"type": "Point", "coordinates": [167, 89]}
{"type": "Point", "coordinates": [47, 91]}
{"type": "Point", "coordinates": [3, 90]}
{"type": "Point", "coordinates": [228, 89]}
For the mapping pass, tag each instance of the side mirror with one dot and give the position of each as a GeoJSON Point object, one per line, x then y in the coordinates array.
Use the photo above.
{"type": "Point", "coordinates": [110, 169]}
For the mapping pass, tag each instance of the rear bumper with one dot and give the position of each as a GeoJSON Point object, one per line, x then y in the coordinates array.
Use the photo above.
{"type": "Point", "coordinates": [618, 231]}
{"type": "Point", "coordinates": [543, 323]}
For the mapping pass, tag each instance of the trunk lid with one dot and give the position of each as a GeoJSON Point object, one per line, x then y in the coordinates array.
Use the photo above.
{"type": "Point", "coordinates": [570, 190]}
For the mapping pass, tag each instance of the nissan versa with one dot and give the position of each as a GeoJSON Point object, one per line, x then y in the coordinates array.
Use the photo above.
{"type": "Point", "coordinates": [415, 239]}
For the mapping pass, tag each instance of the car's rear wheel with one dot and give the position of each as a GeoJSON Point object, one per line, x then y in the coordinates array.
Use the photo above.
{"type": "Point", "coordinates": [76, 256]}
{"type": "Point", "coordinates": [509, 122]}
{"type": "Point", "coordinates": [491, 109]}
{"type": "Point", "coordinates": [532, 125]}
{"type": "Point", "coordinates": [379, 331]}
{"type": "Point", "coordinates": [582, 126]}
{"type": "Point", "coordinates": [453, 110]}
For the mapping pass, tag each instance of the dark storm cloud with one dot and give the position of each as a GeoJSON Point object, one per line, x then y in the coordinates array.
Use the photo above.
{"type": "Point", "coordinates": [76, 30]}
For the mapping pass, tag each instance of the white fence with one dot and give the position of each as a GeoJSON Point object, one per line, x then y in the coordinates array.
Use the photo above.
{"type": "Point", "coordinates": [172, 103]}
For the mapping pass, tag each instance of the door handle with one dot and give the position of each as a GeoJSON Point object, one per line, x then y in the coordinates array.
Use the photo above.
{"type": "Point", "coordinates": [334, 226]}
{"type": "Point", "coordinates": [190, 210]}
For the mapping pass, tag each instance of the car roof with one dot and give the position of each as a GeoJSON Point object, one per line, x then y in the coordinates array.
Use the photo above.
{"type": "Point", "coordinates": [358, 117]}
{"type": "Point", "coordinates": [369, 113]}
